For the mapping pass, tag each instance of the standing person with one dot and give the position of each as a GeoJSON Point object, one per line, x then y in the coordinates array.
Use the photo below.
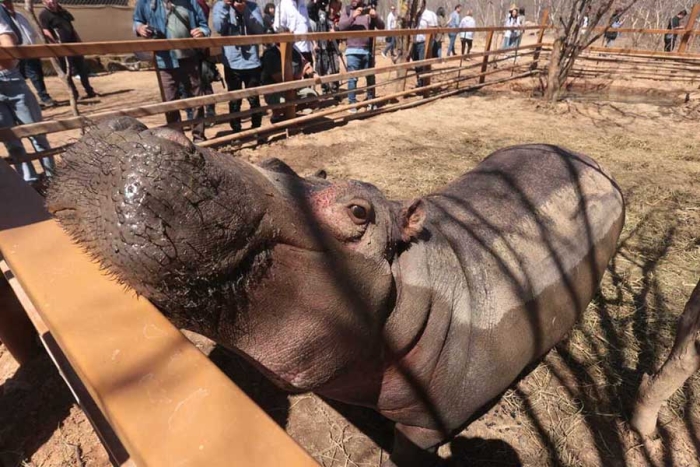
{"type": "Point", "coordinates": [18, 106]}
{"type": "Point", "coordinates": [175, 19]}
{"type": "Point", "coordinates": [390, 26]}
{"type": "Point", "coordinates": [241, 62]}
{"type": "Point", "coordinates": [292, 16]}
{"type": "Point", "coordinates": [467, 36]}
{"type": "Point", "coordinates": [29, 67]}
{"type": "Point", "coordinates": [521, 22]}
{"type": "Point", "coordinates": [673, 25]}
{"type": "Point", "coordinates": [616, 22]}
{"type": "Point", "coordinates": [208, 74]}
{"type": "Point", "coordinates": [269, 18]}
{"type": "Point", "coordinates": [442, 23]}
{"type": "Point", "coordinates": [326, 52]}
{"type": "Point", "coordinates": [358, 52]}
{"type": "Point", "coordinates": [428, 19]}
{"type": "Point", "coordinates": [453, 23]}
{"type": "Point", "coordinates": [57, 24]}
{"type": "Point", "coordinates": [510, 37]}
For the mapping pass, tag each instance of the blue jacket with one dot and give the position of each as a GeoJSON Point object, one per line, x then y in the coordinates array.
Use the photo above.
{"type": "Point", "coordinates": [143, 14]}
{"type": "Point", "coordinates": [239, 57]}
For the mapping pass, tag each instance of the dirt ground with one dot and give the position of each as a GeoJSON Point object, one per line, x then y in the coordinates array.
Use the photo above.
{"type": "Point", "coordinates": [571, 409]}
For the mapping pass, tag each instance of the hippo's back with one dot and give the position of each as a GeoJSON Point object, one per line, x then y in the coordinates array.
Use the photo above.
{"type": "Point", "coordinates": [533, 228]}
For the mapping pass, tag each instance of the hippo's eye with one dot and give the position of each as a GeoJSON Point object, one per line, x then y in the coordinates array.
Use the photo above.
{"type": "Point", "coordinates": [359, 213]}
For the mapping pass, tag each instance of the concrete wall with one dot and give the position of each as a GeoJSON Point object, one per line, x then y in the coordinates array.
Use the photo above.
{"type": "Point", "coordinates": [101, 23]}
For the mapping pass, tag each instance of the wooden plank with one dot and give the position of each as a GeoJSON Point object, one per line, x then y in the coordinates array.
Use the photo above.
{"type": "Point", "coordinates": [154, 45]}
{"type": "Point", "coordinates": [71, 123]}
{"type": "Point", "coordinates": [167, 403]}
{"type": "Point", "coordinates": [342, 108]}
{"type": "Point", "coordinates": [487, 50]}
{"type": "Point", "coordinates": [543, 24]}
{"type": "Point", "coordinates": [648, 53]}
{"type": "Point", "coordinates": [689, 28]}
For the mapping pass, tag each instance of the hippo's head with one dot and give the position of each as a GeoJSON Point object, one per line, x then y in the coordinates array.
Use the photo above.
{"type": "Point", "coordinates": [294, 272]}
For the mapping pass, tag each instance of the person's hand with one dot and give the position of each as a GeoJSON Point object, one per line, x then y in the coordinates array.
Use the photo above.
{"type": "Point", "coordinates": [357, 12]}
{"type": "Point", "coordinates": [372, 13]}
{"type": "Point", "coordinates": [196, 32]}
{"type": "Point", "coordinates": [144, 31]}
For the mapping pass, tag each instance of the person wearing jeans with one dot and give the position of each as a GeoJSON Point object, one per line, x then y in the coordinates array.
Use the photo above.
{"type": "Point", "coordinates": [18, 106]}
{"type": "Point", "coordinates": [29, 68]}
{"type": "Point", "coordinates": [175, 19]}
{"type": "Point", "coordinates": [390, 25]}
{"type": "Point", "coordinates": [32, 70]}
{"type": "Point", "coordinates": [358, 52]}
{"type": "Point", "coordinates": [242, 65]}
{"type": "Point", "coordinates": [453, 23]}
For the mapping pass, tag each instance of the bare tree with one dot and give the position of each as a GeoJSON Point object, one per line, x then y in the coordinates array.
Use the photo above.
{"type": "Point", "coordinates": [681, 364]}
{"type": "Point", "coordinates": [578, 20]}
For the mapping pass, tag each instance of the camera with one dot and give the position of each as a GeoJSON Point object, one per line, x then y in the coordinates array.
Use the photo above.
{"type": "Point", "coordinates": [370, 5]}
{"type": "Point", "coordinates": [155, 33]}
{"type": "Point", "coordinates": [315, 8]}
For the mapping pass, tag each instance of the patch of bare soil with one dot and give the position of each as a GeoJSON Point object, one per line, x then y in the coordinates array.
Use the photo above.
{"type": "Point", "coordinates": [572, 408]}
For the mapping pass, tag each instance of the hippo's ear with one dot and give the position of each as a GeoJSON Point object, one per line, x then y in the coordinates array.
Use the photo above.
{"type": "Point", "coordinates": [411, 219]}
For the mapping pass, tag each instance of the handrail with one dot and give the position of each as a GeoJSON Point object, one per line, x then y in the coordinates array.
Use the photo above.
{"type": "Point", "coordinates": [156, 45]}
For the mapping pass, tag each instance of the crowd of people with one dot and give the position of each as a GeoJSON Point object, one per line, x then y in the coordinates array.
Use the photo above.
{"type": "Point", "coordinates": [186, 73]}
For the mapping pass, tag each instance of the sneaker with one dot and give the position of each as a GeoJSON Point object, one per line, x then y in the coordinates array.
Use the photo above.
{"type": "Point", "coordinates": [198, 139]}
{"type": "Point", "coordinates": [47, 104]}
{"type": "Point", "coordinates": [353, 110]}
{"type": "Point", "coordinates": [371, 107]}
{"type": "Point", "coordinates": [383, 55]}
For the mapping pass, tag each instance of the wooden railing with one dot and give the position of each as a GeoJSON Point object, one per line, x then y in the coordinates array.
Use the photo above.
{"type": "Point", "coordinates": [452, 77]}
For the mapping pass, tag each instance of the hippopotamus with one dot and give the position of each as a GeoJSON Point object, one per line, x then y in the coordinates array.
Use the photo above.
{"type": "Point", "coordinates": [424, 309]}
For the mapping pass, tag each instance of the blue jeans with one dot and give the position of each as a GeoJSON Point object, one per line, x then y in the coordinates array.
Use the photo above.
{"type": "Point", "coordinates": [451, 47]}
{"type": "Point", "coordinates": [31, 69]}
{"type": "Point", "coordinates": [357, 62]}
{"type": "Point", "coordinates": [18, 106]}
{"type": "Point", "coordinates": [390, 44]}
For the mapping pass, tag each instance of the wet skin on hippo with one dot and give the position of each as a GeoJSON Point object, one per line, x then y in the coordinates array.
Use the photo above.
{"type": "Point", "coordinates": [424, 310]}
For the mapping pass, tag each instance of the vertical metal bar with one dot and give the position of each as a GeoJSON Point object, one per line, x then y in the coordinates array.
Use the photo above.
{"type": "Point", "coordinates": [485, 64]}
{"type": "Point", "coordinates": [540, 37]}
{"type": "Point", "coordinates": [689, 28]}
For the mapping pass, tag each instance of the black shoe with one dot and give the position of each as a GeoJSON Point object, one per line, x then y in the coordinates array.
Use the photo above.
{"type": "Point", "coordinates": [91, 94]}
{"type": "Point", "coordinates": [47, 104]}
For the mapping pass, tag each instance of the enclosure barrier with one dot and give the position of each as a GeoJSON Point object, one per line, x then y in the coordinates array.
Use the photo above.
{"type": "Point", "coordinates": [436, 81]}
{"type": "Point", "coordinates": [152, 397]}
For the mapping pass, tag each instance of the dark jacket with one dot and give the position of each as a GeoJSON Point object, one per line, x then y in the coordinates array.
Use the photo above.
{"type": "Point", "coordinates": [361, 23]}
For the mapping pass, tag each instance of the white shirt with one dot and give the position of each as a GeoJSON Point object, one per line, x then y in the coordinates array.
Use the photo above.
{"type": "Point", "coordinates": [467, 22]}
{"type": "Point", "coordinates": [427, 20]}
{"type": "Point", "coordinates": [293, 16]}
{"type": "Point", "coordinates": [510, 23]}
{"type": "Point", "coordinates": [390, 21]}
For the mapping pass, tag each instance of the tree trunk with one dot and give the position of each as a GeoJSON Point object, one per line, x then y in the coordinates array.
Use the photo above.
{"type": "Point", "coordinates": [681, 364]}
{"type": "Point", "coordinates": [54, 61]}
{"type": "Point", "coordinates": [553, 79]}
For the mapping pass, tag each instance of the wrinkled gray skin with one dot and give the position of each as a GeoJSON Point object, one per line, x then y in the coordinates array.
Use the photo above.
{"type": "Point", "coordinates": [422, 310]}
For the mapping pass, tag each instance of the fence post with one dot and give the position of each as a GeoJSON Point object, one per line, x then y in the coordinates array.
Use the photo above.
{"type": "Point", "coordinates": [540, 37]}
{"type": "Point", "coordinates": [485, 64]}
{"type": "Point", "coordinates": [428, 54]}
{"type": "Point", "coordinates": [689, 28]}
{"type": "Point", "coordinates": [288, 75]}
